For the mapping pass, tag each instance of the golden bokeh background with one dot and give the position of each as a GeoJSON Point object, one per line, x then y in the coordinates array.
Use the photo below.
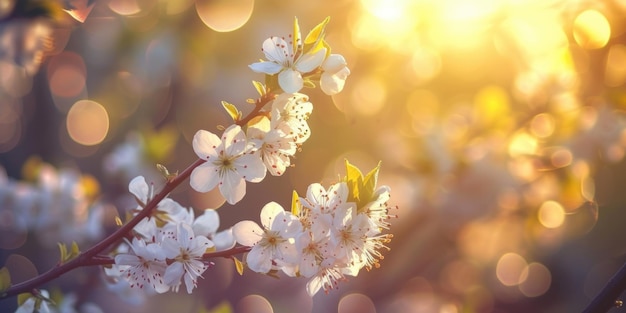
{"type": "Point", "coordinates": [499, 125]}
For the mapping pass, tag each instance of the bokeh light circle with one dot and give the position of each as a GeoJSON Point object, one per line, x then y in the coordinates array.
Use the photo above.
{"type": "Point", "coordinates": [551, 214]}
{"type": "Point", "coordinates": [254, 304]}
{"type": "Point", "coordinates": [509, 269]}
{"type": "Point", "coordinates": [87, 122]}
{"type": "Point", "coordinates": [356, 303]}
{"type": "Point", "coordinates": [537, 280]}
{"type": "Point", "coordinates": [224, 15]}
{"type": "Point", "coordinates": [591, 30]}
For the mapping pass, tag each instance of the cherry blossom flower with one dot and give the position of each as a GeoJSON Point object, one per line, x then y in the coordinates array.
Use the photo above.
{"type": "Point", "coordinates": [228, 163]}
{"type": "Point", "coordinates": [186, 251]}
{"type": "Point", "coordinates": [290, 113]}
{"type": "Point", "coordinates": [144, 265]}
{"type": "Point", "coordinates": [272, 242]}
{"type": "Point", "coordinates": [287, 63]}
{"type": "Point", "coordinates": [144, 193]}
{"type": "Point", "coordinates": [335, 74]}
{"type": "Point", "coordinates": [348, 233]}
{"type": "Point", "coordinates": [326, 278]}
{"type": "Point", "coordinates": [274, 146]}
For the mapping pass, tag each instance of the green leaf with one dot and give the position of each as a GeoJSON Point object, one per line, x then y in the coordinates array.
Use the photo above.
{"type": "Point", "coordinates": [317, 32]}
{"type": "Point", "coordinates": [5, 279]}
{"type": "Point", "coordinates": [75, 251]}
{"type": "Point", "coordinates": [238, 266]}
{"type": "Point", "coordinates": [295, 203]}
{"type": "Point", "coordinates": [260, 88]}
{"type": "Point", "coordinates": [63, 251]}
{"type": "Point", "coordinates": [369, 184]}
{"type": "Point", "coordinates": [231, 109]}
{"type": "Point", "coordinates": [354, 180]}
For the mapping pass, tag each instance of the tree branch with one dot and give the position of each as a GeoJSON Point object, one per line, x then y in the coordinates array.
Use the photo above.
{"type": "Point", "coordinates": [606, 299]}
{"type": "Point", "coordinates": [91, 256]}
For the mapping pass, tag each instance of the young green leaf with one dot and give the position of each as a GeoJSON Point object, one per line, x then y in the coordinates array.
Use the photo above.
{"type": "Point", "coordinates": [354, 180]}
{"type": "Point", "coordinates": [369, 185]}
{"type": "Point", "coordinates": [63, 251]}
{"type": "Point", "coordinates": [260, 88]}
{"type": "Point", "coordinates": [231, 109]}
{"type": "Point", "coordinates": [317, 32]}
{"type": "Point", "coordinates": [238, 266]}
{"type": "Point", "coordinates": [75, 251]}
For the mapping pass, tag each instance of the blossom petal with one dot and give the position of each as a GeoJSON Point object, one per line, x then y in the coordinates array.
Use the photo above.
{"type": "Point", "coordinates": [173, 273]}
{"type": "Point", "coordinates": [126, 259]}
{"type": "Point", "coordinates": [205, 144]}
{"type": "Point", "coordinates": [247, 233]}
{"type": "Point", "coordinates": [199, 245]}
{"type": "Point", "coordinates": [139, 188]}
{"type": "Point", "coordinates": [206, 223]}
{"type": "Point", "coordinates": [204, 177]}
{"type": "Point", "coordinates": [224, 240]}
{"type": "Point", "coordinates": [314, 285]}
{"type": "Point", "coordinates": [251, 167]}
{"type": "Point", "coordinates": [277, 50]}
{"type": "Point", "coordinates": [269, 212]}
{"type": "Point", "coordinates": [232, 187]}
{"type": "Point", "coordinates": [334, 63]}
{"type": "Point", "coordinates": [234, 140]}
{"type": "Point", "coordinates": [269, 68]}
{"type": "Point", "coordinates": [332, 84]}
{"type": "Point", "coordinates": [259, 260]}
{"type": "Point", "coordinates": [290, 81]}
{"type": "Point", "coordinates": [310, 61]}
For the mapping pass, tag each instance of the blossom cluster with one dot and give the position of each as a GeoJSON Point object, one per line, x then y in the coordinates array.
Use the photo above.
{"type": "Point", "coordinates": [327, 235]}
{"type": "Point", "coordinates": [57, 198]}
{"type": "Point", "coordinates": [167, 247]}
{"type": "Point", "coordinates": [240, 156]}
{"type": "Point", "coordinates": [268, 142]}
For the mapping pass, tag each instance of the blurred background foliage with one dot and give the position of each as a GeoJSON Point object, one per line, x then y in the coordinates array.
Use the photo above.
{"type": "Point", "coordinates": [499, 125]}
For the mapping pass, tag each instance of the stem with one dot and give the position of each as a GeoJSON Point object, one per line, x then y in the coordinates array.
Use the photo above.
{"type": "Point", "coordinates": [226, 253]}
{"type": "Point", "coordinates": [605, 300]}
{"type": "Point", "coordinates": [259, 104]}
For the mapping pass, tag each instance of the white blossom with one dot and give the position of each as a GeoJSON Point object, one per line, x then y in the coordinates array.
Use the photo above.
{"type": "Point", "coordinates": [228, 164]}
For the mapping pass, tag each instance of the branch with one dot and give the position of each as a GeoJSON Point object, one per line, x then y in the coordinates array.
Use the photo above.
{"type": "Point", "coordinates": [606, 299]}
{"type": "Point", "coordinates": [259, 104]}
{"type": "Point", "coordinates": [91, 256]}
{"type": "Point", "coordinates": [226, 253]}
